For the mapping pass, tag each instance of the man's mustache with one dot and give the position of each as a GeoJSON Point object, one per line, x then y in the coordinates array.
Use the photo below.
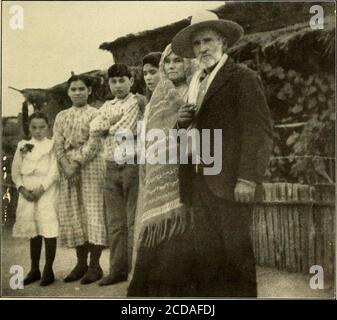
{"type": "Point", "coordinates": [202, 64]}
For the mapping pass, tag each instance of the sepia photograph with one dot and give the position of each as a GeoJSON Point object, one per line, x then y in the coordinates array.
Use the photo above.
{"type": "Point", "coordinates": [168, 149]}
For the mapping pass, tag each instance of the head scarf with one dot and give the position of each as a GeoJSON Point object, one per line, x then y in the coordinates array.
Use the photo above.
{"type": "Point", "coordinates": [166, 99]}
{"type": "Point", "coordinates": [190, 65]}
{"type": "Point", "coordinates": [162, 213]}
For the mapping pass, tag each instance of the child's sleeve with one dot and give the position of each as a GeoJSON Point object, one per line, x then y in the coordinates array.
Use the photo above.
{"type": "Point", "coordinates": [58, 137]}
{"type": "Point", "coordinates": [53, 173]}
{"type": "Point", "coordinates": [128, 120]}
{"type": "Point", "coordinates": [16, 168]}
{"type": "Point", "coordinates": [101, 124]}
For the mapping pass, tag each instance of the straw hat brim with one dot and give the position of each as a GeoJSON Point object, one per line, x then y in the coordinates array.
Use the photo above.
{"type": "Point", "coordinates": [182, 42]}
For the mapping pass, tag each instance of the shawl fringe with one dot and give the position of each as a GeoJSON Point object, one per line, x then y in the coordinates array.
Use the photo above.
{"type": "Point", "coordinates": [174, 224]}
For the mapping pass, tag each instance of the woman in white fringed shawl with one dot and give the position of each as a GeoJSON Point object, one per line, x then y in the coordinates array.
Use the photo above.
{"type": "Point", "coordinates": [164, 226]}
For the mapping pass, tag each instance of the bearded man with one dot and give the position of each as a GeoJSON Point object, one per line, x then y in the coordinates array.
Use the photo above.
{"type": "Point", "coordinates": [230, 97]}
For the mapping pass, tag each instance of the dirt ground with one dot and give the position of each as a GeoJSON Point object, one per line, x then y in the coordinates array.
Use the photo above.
{"type": "Point", "coordinates": [272, 283]}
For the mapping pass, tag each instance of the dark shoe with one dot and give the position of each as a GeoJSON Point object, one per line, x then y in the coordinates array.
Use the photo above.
{"type": "Point", "coordinates": [77, 273]}
{"type": "Point", "coordinates": [32, 276]}
{"type": "Point", "coordinates": [47, 277]}
{"type": "Point", "coordinates": [93, 274]}
{"type": "Point", "coordinates": [109, 280]}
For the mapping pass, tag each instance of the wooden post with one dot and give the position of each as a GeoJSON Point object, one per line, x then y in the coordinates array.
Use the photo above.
{"type": "Point", "coordinates": [25, 118]}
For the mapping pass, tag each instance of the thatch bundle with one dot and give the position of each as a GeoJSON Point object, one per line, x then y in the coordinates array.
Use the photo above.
{"type": "Point", "coordinates": [297, 47]}
{"type": "Point", "coordinates": [255, 17]}
{"type": "Point", "coordinates": [55, 99]}
{"type": "Point", "coordinates": [58, 93]}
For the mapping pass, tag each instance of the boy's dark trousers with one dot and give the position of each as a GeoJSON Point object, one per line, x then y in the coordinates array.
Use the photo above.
{"type": "Point", "coordinates": [120, 195]}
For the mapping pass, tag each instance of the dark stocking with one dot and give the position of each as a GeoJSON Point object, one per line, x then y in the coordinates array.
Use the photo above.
{"type": "Point", "coordinates": [82, 265]}
{"type": "Point", "coordinates": [48, 274]}
{"type": "Point", "coordinates": [35, 253]}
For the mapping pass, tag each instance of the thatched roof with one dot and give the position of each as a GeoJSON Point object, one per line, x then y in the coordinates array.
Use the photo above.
{"type": "Point", "coordinates": [296, 47]}
{"type": "Point", "coordinates": [100, 90]}
{"type": "Point", "coordinates": [38, 96]}
{"type": "Point", "coordinates": [253, 16]}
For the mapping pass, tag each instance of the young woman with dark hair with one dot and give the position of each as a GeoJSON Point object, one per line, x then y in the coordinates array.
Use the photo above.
{"type": "Point", "coordinates": [81, 204]}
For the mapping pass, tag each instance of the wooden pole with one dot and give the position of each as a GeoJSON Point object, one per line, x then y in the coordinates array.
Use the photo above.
{"type": "Point", "coordinates": [15, 89]}
{"type": "Point", "coordinates": [25, 118]}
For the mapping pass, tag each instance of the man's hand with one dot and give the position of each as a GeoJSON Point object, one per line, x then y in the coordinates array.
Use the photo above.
{"type": "Point", "coordinates": [28, 195]}
{"type": "Point", "coordinates": [244, 192]}
{"type": "Point", "coordinates": [186, 115]}
{"type": "Point", "coordinates": [38, 192]}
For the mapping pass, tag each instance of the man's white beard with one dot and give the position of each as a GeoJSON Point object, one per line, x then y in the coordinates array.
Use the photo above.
{"type": "Point", "coordinates": [206, 64]}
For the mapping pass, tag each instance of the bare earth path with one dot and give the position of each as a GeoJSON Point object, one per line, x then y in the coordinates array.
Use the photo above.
{"type": "Point", "coordinates": [271, 282]}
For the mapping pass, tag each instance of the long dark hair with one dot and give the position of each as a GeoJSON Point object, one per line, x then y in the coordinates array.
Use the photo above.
{"type": "Point", "coordinates": [35, 115]}
{"type": "Point", "coordinates": [82, 78]}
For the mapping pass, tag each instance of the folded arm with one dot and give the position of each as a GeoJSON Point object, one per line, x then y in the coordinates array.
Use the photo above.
{"type": "Point", "coordinates": [103, 121]}
{"type": "Point", "coordinates": [128, 120]}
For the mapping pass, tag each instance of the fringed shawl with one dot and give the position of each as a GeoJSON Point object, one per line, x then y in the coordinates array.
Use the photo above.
{"type": "Point", "coordinates": [162, 213]}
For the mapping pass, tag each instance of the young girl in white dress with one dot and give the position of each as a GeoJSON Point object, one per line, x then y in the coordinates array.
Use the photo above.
{"type": "Point", "coordinates": [35, 174]}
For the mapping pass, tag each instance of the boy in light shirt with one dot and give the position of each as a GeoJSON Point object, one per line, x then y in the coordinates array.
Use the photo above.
{"type": "Point", "coordinates": [121, 180]}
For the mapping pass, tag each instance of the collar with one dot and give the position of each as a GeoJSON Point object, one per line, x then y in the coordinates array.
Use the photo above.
{"type": "Point", "coordinates": [209, 70]}
{"type": "Point", "coordinates": [35, 141]}
{"type": "Point", "coordinates": [213, 73]}
{"type": "Point", "coordinates": [200, 75]}
{"type": "Point", "coordinates": [44, 144]}
{"type": "Point", "coordinates": [115, 100]}
{"type": "Point", "coordinates": [81, 109]}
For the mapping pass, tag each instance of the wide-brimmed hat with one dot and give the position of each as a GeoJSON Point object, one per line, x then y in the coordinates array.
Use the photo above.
{"type": "Point", "coordinates": [182, 44]}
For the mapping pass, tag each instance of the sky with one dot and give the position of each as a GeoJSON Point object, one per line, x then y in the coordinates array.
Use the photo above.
{"type": "Point", "coordinates": [63, 36]}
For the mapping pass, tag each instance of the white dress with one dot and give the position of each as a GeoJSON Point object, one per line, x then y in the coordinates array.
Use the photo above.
{"type": "Point", "coordinates": [32, 169]}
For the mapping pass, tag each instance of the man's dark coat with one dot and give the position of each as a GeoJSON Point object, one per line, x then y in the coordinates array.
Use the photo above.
{"type": "Point", "coordinates": [235, 102]}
